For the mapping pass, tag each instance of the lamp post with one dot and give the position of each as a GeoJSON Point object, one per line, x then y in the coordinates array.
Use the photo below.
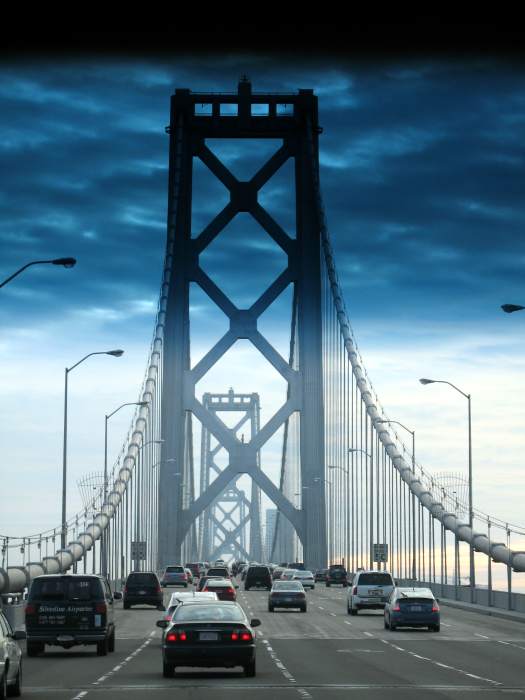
{"type": "Point", "coordinates": [470, 501]}
{"type": "Point", "coordinates": [64, 262]}
{"type": "Point", "coordinates": [413, 433]}
{"type": "Point", "coordinates": [371, 526]}
{"type": "Point", "coordinates": [114, 353]}
{"type": "Point", "coordinates": [106, 418]}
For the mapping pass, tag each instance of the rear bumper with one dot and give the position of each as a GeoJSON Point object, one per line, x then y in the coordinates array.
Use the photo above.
{"type": "Point", "coordinates": [142, 600]}
{"type": "Point", "coordinates": [209, 656]}
{"type": "Point", "coordinates": [67, 638]}
{"type": "Point", "coordinates": [415, 621]}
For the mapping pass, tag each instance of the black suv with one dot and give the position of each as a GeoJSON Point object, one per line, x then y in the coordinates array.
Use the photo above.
{"type": "Point", "coordinates": [259, 577]}
{"type": "Point", "coordinates": [336, 575]}
{"type": "Point", "coordinates": [143, 587]}
{"type": "Point", "coordinates": [70, 609]}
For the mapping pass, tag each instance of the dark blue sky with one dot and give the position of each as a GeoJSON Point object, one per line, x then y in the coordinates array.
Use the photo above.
{"type": "Point", "coordinates": [422, 162]}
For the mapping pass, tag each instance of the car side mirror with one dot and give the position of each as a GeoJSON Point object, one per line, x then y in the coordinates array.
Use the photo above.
{"type": "Point", "coordinates": [19, 634]}
{"type": "Point", "coordinates": [117, 595]}
{"type": "Point", "coordinates": [162, 624]}
{"type": "Point", "coordinates": [255, 622]}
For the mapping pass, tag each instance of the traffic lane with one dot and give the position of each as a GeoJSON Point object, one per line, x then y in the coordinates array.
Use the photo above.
{"type": "Point", "coordinates": [80, 666]}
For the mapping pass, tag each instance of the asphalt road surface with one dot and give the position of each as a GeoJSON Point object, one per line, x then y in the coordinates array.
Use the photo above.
{"type": "Point", "coordinates": [324, 654]}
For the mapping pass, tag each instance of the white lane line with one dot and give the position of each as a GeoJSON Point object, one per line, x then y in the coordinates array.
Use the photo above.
{"type": "Point", "coordinates": [445, 624]}
{"type": "Point", "coordinates": [368, 634]}
{"type": "Point", "coordinates": [80, 695]}
{"type": "Point", "coordinates": [333, 614]}
{"type": "Point", "coordinates": [509, 644]}
{"type": "Point", "coordinates": [320, 608]}
{"type": "Point", "coordinates": [126, 660]}
{"type": "Point", "coordinates": [442, 665]}
{"type": "Point", "coordinates": [481, 635]}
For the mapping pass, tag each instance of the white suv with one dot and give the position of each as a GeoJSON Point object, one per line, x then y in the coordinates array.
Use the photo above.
{"type": "Point", "coordinates": [369, 589]}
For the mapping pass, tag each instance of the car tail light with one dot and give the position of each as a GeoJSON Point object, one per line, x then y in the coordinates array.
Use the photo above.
{"type": "Point", "coordinates": [176, 636]}
{"type": "Point", "coordinates": [30, 609]}
{"type": "Point", "coordinates": [246, 637]}
{"type": "Point", "coordinates": [396, 608]}
{"type": "Point", "coordinates": [235, 637]}
{"type": "Point", "coordinates": [101, 608]}
{"type": "Point", "coordinates": [125, 589]}
{"type": "Point", "coordinates": [354, 590]}
{"type": "Point", "coordinates": [435, 607]}
{"type": "Point", "coordinates": [184, 577]}
{"type": "Point", "coordinates": [159, 589]}
{"type": "Point", "coordinates": [230, 591]}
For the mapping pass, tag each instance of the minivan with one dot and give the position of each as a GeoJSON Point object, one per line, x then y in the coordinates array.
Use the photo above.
{"type": "Point", "coordinates": [258, 577]}
{"type": "Point", "coordinates": [369, 590]}
{"type": "Point", "coordinates": [68, 610]}
{"type": "Point", "coordinates": [143, 587]}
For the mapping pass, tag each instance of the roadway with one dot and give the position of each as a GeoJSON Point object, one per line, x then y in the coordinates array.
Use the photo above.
{"type": "Point", "coordinates": [324, 654]}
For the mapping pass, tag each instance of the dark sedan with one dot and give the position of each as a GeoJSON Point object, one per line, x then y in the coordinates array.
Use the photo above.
{"type": "Point", "coordinates": [412, 607]}
{"type": "Point", "coordinates": [209, 635]}
{"type": "Point", "coordinates": [287, 594]}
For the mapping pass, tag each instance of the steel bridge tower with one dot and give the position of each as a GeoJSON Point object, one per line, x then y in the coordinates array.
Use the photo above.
{"type": "Point", "coordinates": [223, 526]}
{"type": "Point", "coordinates": [293, 119]}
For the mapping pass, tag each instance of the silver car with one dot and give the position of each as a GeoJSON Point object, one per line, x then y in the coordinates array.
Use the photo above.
{"type": "Point", "coordinates": [305, 577]}
{"type": "Point", "coordinates": [10, 659]}
{"type": "Point", "coordinates": [370, 590]}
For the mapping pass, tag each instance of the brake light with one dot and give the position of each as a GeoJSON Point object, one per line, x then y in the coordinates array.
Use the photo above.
{"type": "Point", "coordinates": [235, 637]}
{"type": "Point", "coordinates": [30, 609]}
{"type": "Point", "coordinates": [396, 608]}
{"type": "Point", "coordinates": [354, 590]}
{"type": "Point", "coordinates": [185, 577]}
{"type": "Point", "coordinates": [125, 589]}
{"type": "Point", "coordinates": [158, 588]}
{"type": "Point", "coordinates": [435, 607]}
{"type": "Point", "coordinates": [176, 636]}
{"type": "Point", "coordinates": [246, 637]}
{"type": "Point", "coordinates": [101, 608]}
{"type": "Point", "coordinates": [230, 590]}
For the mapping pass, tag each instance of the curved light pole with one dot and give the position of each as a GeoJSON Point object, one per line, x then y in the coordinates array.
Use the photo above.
{"type": "Point", "coordinates": [114, 353]}
{"type": "Point", "coordinates": [106, 418]}
{"type": "Point", "coordinates": [64, 262]}
{"type": "Point", "coordinates": [470, 509]}
{"type": "Point", "coordinates": [413, 433]}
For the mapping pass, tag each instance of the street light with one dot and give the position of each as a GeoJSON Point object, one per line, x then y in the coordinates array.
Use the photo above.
{"type": "Point", "coordinates": [510, 308]}
{"type": "Point", "coordinates": [470, 500]}
{"type": "Point", "coordinates": [106, 418]}
{"type": "Point", "coordinates": [413, 433]}
{"type": "Point", "coordinates": [114, 353]}
{"type": "Point", "coordinates": [65, 262]}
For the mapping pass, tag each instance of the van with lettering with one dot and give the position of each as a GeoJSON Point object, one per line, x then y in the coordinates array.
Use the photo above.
{"type": "Point", "coordinates": [68, 610]}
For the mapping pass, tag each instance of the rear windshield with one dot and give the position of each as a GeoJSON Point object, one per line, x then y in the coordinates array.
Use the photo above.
{"type": "Point", "coordinates": [201, 611]}
{"type": "Point", "coordinates": [174, 570]}
{"type": "Point", "coordinates": [337, 568]}
{"type": "Point", "coordinates": [415, 601]}
{"type": "Point", "coordinates": [375, 580]}
{"type": "Point", "coordinates": [66, 589]}
{"type": "Point", "coordinates": [218, 570]}
{"type": "Point", "coordinates": [142, 579]}
{"type": "Point", "coordinates": [258, 571]}
{"type": "Point", "coordinates": [287, 586]}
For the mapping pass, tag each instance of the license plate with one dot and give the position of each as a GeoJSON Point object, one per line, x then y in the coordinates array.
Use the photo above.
{"type": "Point", "coordinates": [375, 592]}
{"type": "Point", "coordinates": [416, 608]}
{"type": "Point", "coordinates": [288, 600]}
{"type": "Point", "coordinates": [142, 592]}
{"type": "Point", "coordinates": [208, 636]}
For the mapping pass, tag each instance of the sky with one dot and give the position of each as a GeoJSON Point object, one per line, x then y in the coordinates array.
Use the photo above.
{"type": "Point", "coordinates": [422, 161]}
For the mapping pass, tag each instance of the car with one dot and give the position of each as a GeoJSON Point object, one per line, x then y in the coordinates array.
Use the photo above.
{"type": "Point", "coordinates": [10, 659]}
{"type": "Point", "coordinates": [369, 590]}
{"type": "Point", "coordinates": [189, 575]}
{"type": "Point", "coordinates": [223, 587]}
{"type": "Point", "coordinates": [305, 577]}
{"type": "Point", "coordinates": [258, 577]}
{"type": "Point", "coordinates": [287, 574]}
{"type": "Point", "coordinates": [209, 635]}
{"type": "Point", "coordinates": [204, 579]}
{"type": "Point", "coordinates": [336, 575]}
{"type": "Point", "coordinates": [143, 588]}
{"type": "Point", "coordinates": [287, 594]}
{"type": "Point", "coordinates": [277, 573]}
{"type": "Point", "coordinates": [412, 607]}
{"type": "Point", "coordinates": [174, 575]}
{"type": "Point", "coordinates": [67, 610]}
{"type": "Point", "coordinates": [195, 569]}
{"type": "Point", "coordinates": [221, 571]}
{"type": "Point", "coordinates": [194, 596]}
{"type": "Point", "coordinates": [320, 575]}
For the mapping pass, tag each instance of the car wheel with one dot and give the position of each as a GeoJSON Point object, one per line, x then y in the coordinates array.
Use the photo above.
{"type": "Point", "coordinates": [327, 584]}
{"type": "Point", "coordinates": [386, 623]}
{"type": "Point", "coordinates": [15, 691]}
{"type": "Point", "coordinates": [103, 647]}
{"type": "Point", "coordinates": [168, 670]}
{"type": "Point", "coordinates": [303, 609]}
{"type": "Point", "coordinates": [270, 608]}
{"type": "Point", "coordinates": [435, 628]}
{"type": "Point", "coordinates": [34, 648]}
{"type": "Point", "coordinates": [3, 686]}
{"type": "Point", "coordinates": [249, 670]}
{"type": "Point", "coordinates": [392, 627]}
{"type": "Point", "coordinates": [185, 585]}
{"type": "Point", "coordinates": [126, 606]}
{"type": "Point", "coordinates": [353, 611]}
{"type": "Point", "coordinates": [246, 588]}
{"type": "Point", "coordinates": [111, 641]}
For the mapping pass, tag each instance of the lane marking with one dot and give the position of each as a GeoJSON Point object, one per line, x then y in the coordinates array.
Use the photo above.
{"type": "Point", "coordinates": [368, 634]}
{"type": "Point", "coordinates": [509, 644]}
{"type": "Point", "coordinates": [442, 665]}
{"type": "Point", "coordinates": [126, 660]}
{"type": "Point", "coordinates": [333, 614]}
{"type": "Point", "coordinates": [282, 668]}
{"type": "Point", "coordinates": [80, 695]}
{"type": "Point", "coordinates": [476, 634]}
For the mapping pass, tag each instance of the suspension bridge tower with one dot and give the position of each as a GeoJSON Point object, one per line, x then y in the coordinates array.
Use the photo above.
{"type": "Point", "coordinates": [293, 120]}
